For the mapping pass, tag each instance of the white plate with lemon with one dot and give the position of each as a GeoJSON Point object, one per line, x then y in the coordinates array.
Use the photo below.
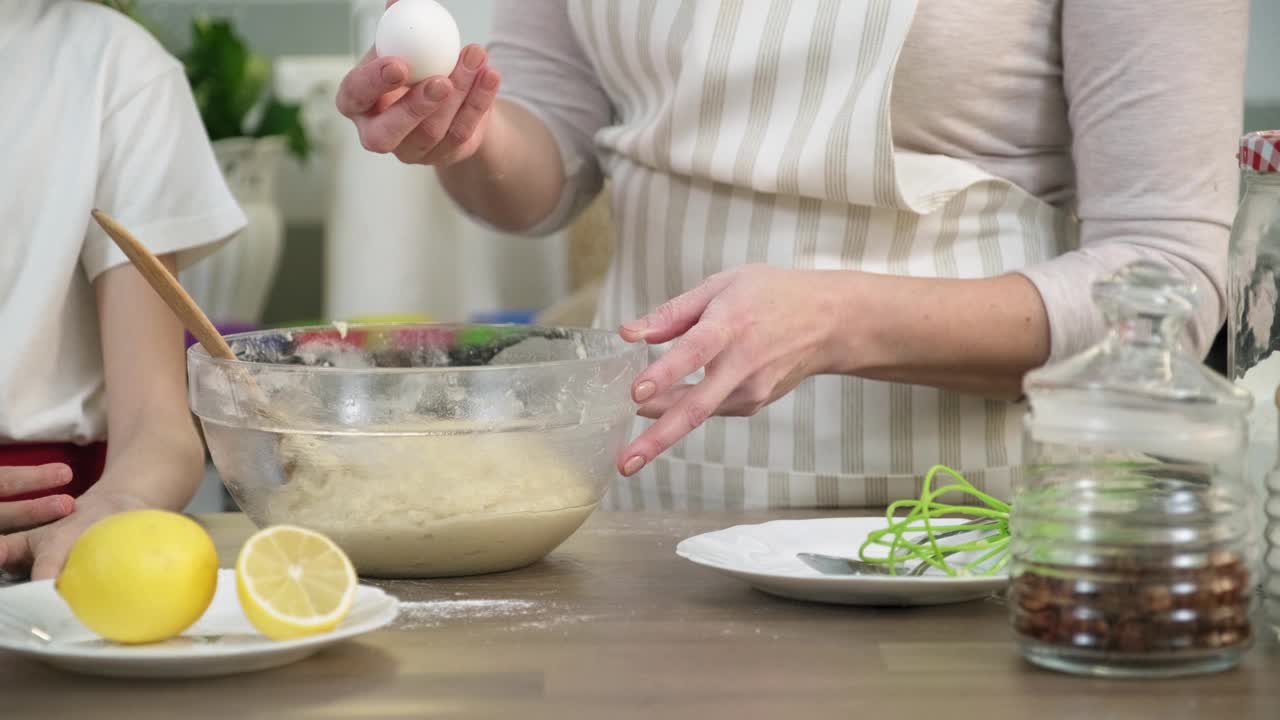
{"type": "Point", "coordinates": [166, 611]}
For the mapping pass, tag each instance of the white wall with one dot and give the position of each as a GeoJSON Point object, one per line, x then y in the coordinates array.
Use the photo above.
{"type": "Point", "coordinates": [475, 16]}
{"type": "Point", "coordinates": [1262, 83]}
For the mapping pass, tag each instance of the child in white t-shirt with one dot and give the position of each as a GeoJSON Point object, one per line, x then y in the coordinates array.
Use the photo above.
{"type": "Point", "coordinates": [97, 115]}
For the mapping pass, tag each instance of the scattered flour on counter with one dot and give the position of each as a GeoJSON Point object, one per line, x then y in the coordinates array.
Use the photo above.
{"type": "Point", "coordinates": [416, 615]}
{"type": "Point", "coordinates": [433, 613]}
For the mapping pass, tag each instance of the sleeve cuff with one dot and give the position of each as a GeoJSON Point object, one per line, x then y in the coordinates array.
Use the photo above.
{"type": "Point", "coordinates": [190, 238]}
{"type": "Point", "coordinates": [1065, 285]}
{"type": "Point", "coordinates": [1073, 319]}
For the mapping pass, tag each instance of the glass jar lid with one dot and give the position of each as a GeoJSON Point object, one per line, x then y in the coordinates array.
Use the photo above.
{"type": "Point", "coordinates": [1139, 387]}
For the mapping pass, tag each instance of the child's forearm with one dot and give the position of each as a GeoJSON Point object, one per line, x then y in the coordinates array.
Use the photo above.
{"type": "Point", "coordinates": [153, 452]}
{"type": "Point", "coordinates": [160, 466]}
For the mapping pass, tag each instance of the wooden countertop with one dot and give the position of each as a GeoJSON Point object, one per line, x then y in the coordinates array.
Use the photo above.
{"type": "Point", "coordinates": [614, 625]}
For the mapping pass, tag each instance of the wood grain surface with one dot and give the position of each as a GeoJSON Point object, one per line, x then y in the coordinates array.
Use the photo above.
{"type": "Point", "coordinates": [614, 625]}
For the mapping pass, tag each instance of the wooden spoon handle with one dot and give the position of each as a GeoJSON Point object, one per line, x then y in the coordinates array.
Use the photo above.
{"type": "Point", "coordinates": [166, 285]}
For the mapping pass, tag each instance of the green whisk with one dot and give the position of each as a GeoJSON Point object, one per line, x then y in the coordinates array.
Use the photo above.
{"type": "Point", "coordinates": [991, 520]}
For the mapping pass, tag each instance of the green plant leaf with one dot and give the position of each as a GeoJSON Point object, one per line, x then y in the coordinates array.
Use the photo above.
{"type": "Point", "coordinates": [230, 81]}
{"type": "Point", "coordinates": [227, 79]}
{"type": "Point", "coordinates": [281, 118]}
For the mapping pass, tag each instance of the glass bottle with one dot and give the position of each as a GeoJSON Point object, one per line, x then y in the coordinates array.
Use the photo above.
{"type": "Point", "coordinates": [1132, 548]}
{"type": "Point", "coordinates": [1253, 331]}
{"type": "Point", "coordinates": [1253, 293]}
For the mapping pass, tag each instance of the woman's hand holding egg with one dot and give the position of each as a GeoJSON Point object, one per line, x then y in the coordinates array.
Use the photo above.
{"type": "Point", "coordinates": [433, 121]}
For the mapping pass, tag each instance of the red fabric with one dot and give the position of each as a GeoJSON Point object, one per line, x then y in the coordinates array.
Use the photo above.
{"type": "Point", "coordinates": [86, 463]}
{"type": "Point", "coordinates": [1260, 151]}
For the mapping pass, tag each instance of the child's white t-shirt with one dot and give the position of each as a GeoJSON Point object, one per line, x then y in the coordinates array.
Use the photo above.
{"type": "Point", "coordinates": [95, 115]}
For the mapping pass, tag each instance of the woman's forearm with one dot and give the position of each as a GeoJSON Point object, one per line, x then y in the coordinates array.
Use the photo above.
{"type": "Point", "coordinates": [973, 336]}
{"type": "Point", "coordinates": [514, 179]}
{"type": "Point", "coordinates": [759, 330]}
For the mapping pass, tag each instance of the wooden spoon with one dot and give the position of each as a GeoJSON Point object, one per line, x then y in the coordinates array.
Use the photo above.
{"type": "Point", "coordinates": [181, 303]}
{"type": "Point", "coordinates": [167, 287]}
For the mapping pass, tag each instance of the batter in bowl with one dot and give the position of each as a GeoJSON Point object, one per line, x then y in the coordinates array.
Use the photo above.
{"type": "Point", "coordinates": [431, 505]}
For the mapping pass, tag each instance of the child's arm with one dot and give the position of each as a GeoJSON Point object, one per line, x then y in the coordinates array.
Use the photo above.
{"type": "Point", "coordinates": [154, 456]}
{"type": "Point", "coordinates": [153, 451]}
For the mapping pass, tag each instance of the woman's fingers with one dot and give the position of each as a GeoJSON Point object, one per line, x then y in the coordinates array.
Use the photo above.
{"type": "Point", "coordinates": [664, 402]}
{"type": "Point", "coordinates": [431, 122]}
{"type": "Point", "coordinates": [387, 130]}
{"type": "Point", "coordinates": [684, 415]}
{"type": "Point", "coordinates": [674, 317]}
{"type": "Point", "coordinates": [696, 350]}
{"type": "Point", "coordinates": [706, 336]}
{"type": "Point", "coordinates": [27, 514]}
{"type": "Point", "coordinates": [463, 135]}
{"type": "Point", "coordinates": [746, 400]}
{"type": "Point", "coordinates": [433, 130]}
{"type": "Point", "coordinates": [23, 480]}
{"type": "Point", "coordinates": [367, 82]}
{"type": "Point", "coordinates": [484, 91]}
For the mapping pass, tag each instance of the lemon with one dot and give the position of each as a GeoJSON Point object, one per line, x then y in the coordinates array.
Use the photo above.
{"type": "Point", "coordinates": [141, 576]}
{"type": "Point", "coordinates": [294, 582]}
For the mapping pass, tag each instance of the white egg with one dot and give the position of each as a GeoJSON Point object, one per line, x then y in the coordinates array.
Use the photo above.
{"type": "Point", "coordinates": [423, 34]}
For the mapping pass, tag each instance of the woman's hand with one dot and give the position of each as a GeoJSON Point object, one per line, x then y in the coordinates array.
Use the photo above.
{"type": "Point", "coordinates": [25, 514]}
{"type": "Point", "coordinates": [43, 550]}
{"type": "Point", "coordinates": [439, 121]}
{"type": "Point", "coordinates": [496, 159]}
{"type": "Point", "coordinates": [756, 330]}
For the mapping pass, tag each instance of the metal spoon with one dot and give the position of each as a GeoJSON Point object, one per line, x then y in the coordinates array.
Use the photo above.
{"type": "Point", "coordinates": [834, 565]}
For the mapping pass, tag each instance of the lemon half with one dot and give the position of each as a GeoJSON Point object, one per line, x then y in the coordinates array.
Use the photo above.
{"type": "Point", "coordinates": [141, 576]}
{"type": "Point", "coordinates": [294, 582]}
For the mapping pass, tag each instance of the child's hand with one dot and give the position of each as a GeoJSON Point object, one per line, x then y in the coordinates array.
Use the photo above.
{"type": "Point", "coordinates": [15, 516]}
{"type": "Point", "coordinates": [43, 550]}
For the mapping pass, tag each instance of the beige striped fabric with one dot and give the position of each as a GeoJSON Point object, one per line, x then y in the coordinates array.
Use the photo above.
{"type": "Point", "coordinates": [759, 132]}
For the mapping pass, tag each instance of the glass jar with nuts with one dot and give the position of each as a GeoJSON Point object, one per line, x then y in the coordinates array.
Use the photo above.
{"type": "Point", "coordinates": [1134, 536]}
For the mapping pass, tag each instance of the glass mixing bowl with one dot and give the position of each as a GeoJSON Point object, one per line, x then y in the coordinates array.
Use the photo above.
{"type": "Point", "coordinates": [423, 450]}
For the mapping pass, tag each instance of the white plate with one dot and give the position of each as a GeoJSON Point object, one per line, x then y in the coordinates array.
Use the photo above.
{"type": "Point", "coordinates": [222, 642]}
{"type": "Point", "coordinates": [764, 556]}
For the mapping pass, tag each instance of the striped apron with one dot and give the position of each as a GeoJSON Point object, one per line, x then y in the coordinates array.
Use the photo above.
{"type": "Point", "coordinates": [759, 132]}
